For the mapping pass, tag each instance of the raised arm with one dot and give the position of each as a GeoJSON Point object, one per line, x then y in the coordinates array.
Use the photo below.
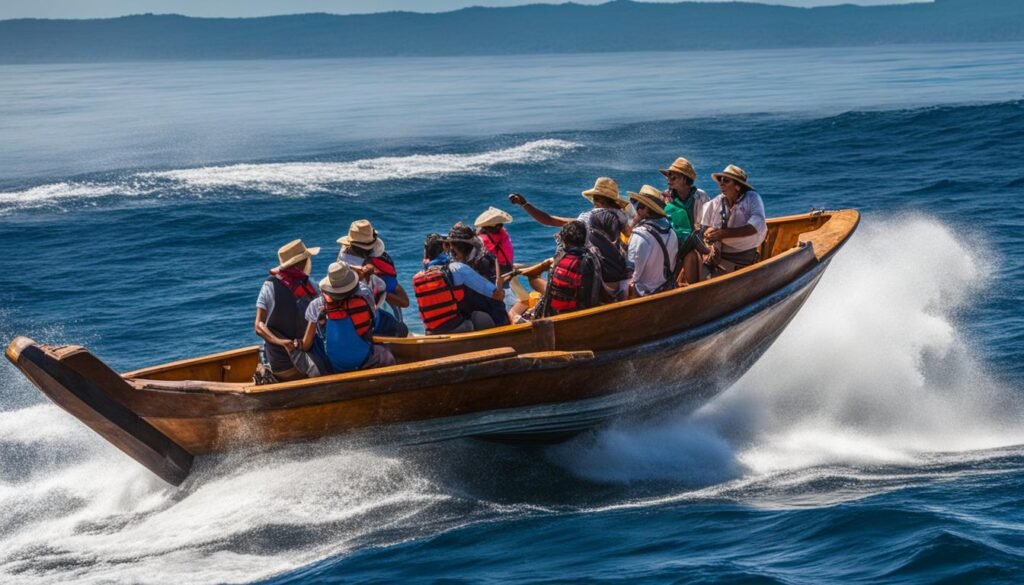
{"type": "Point", "coordinates": [542, 217]}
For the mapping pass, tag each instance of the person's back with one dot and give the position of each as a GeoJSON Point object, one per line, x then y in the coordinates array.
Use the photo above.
{"type": "Point", "coordinates": [575, 280]}
{"type": "Point", "coordinates": [490, 227]}
{"type": "Point", "coordinates": [475, 271]}
{"type": "Point", "coordinates": [280, 312]}
{"type": "Point", "coordinates": [437, 297]}
{"type": "Point", "coordinates": [342, 318]}
{"type": "Point", "coordinates": [364, 247]}
{"type": "Point", "coordinates": [602, 236]}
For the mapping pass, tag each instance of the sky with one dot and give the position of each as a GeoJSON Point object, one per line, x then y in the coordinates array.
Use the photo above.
{"type": "Point", "coordinates": [229, 8]}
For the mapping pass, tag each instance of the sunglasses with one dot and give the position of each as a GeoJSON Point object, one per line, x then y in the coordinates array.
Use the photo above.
{"type": "Point", "coordinates": [725, 181]}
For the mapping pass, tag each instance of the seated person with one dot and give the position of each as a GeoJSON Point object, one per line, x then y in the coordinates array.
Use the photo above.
{"type": "Point", "coordinates": [280, 313]}
{"type": "Point", "coordinates": [734, 223]}
{"type": "Point", "coordinates": [340, 324]}
{"type": "Point", "coordinates": [490, 228]}
{"type": "Point", "coordinates": [684, 205]}
{"type": "Point", "coordinates": [604, 195]}
{"type": "Point", "coordinates": [363, 247]}
{"type": "Point", "coordinates": [575, 279]}
{"type": "Point", "coordinates": [602, 236]}
{"type": "Point", "coordinates": [653, 245]}
{"type": "Point", "coordinates": [452, 297]}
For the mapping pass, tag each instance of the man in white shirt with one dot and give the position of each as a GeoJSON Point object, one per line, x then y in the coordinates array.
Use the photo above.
{"type": "Point", "coordinates": [736, 220]}
{"type": "Point", "coordinates": [653, 245]}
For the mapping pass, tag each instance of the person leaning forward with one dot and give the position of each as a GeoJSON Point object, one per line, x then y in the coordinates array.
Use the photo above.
{"type": "Point", "coordinates": [341, 320]}
{"type": "Point", "coordinates": [653, 245]}
{"type": "Point", "coordinates": [280, 312]}
{"type": "Point", "coordinates": [442, 288]}
{"type": "Point", "coordinates": [604, 195]}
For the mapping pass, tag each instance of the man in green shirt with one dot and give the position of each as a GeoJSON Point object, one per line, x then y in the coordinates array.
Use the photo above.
{"type": "Point", "coordinates": [684, 205]}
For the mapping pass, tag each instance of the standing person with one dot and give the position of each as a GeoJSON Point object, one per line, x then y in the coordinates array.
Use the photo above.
{"type": "Point", "coordinates": [490, 228]}
{"type": "Point", "coordinates": [341, 318]}
{"type": "Point", "coordinates": [604, 195]}
{"type": "Point", "coordinates": [736, 220]}
{"type": "Point", "coordinates": [575, 279]}
{"type": "Point", "coordinates": [653, 246]}
{"type": "Point", "coordinates": [280, 312]}
{"type": "Point", "coordinates": [363, 247]}
{"type": "Point", "coordinates": [684, 206]}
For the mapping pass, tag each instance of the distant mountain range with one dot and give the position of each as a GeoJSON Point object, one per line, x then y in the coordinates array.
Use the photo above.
{"type": "Point", "coordinates": [567, 28]}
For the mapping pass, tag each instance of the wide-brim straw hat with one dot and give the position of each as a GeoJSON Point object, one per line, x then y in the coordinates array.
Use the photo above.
{"type": "Point", "coordinates": [362, 235]}
{"type": "Point", "coordinates": [493, 216]}
{"type": "Point", "coordinates": [735, 173]}
{"type": "Point", "coordinates": [606, 187]}
{"type": "Point", "coordinates": [681, 166]}
{"type": "Point", "coordinates": [295, 252]}
{"type": "Point", "coordinates": [651, 198]}
{"type": "Point", "coordinates": [340, 279]}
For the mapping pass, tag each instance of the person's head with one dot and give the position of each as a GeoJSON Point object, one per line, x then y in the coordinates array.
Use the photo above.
{"type": "Point", "coordinates": [648, 202]}
{"type": "Point", "coordinates": [573, 234]}
{"type": "Point", "coordinates": [605, 194]}
{"type": "Point", "coordinates": [433, 246]}
{"type": "Point", "coordinates": [362, 239]}
{"type": "Point", "coordinates": [606, 222]}
{"type": "Point", "coordinates": [340, 281]}
{"type": "Point", "coordinates": [295, 253]}
{"type": "Point", "coordinates": [732, 181]}
{"type": "Point", "coordinates": [680, 176]}
{"type": "Point", "coordinates": [492, 221]}
{"type": "Point", "coordinates": [462, 241]}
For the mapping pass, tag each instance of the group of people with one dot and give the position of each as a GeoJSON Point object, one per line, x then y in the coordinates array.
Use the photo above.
{"type": "Point", "coordinates": [644, 243]}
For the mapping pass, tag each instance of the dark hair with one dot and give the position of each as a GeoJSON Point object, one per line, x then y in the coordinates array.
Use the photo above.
{"type": "Point", "coordinates": [606, 201]}
{"type": "Point", "coordinates": [463, 248]}
{"type": "Point", "coordinates": [433, 246]}
{"type": "Point", "coordinates": [573, 233]}
{"type": "Point", "coordinates": [356, 251]}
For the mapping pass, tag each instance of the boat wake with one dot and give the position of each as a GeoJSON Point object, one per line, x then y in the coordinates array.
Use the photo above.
{"type": "Point", "coordinates": [872, 387]}
{"type": "Point", "coordinates": [292, 179]}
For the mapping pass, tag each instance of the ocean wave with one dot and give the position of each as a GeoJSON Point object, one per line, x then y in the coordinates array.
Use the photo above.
{"type": "Point", "coordinates": [286, 178]}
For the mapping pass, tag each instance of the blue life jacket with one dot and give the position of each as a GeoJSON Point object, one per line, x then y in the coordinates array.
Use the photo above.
{"type": "Point", "coordinates": [346, 331]}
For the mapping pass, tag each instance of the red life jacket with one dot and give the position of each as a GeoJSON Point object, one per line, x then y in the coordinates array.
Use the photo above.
{"type": "Point", "coordinates": [383, 264]}
{"type": "Point", "coordinates": [296, 280]}
{"type": "Point", "coordinates": [355, 308]}
{"type": "Point", "coordinates": [437, 299]}
{"type": "Point", "coordinates": [566, 280]}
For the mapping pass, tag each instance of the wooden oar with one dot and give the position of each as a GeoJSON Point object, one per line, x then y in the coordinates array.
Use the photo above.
{"type": "Point", "coordinates": [531, 271]}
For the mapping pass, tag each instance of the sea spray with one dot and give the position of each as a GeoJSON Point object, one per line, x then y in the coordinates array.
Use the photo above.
{"type": "Point", "coordinates": [873, 370]}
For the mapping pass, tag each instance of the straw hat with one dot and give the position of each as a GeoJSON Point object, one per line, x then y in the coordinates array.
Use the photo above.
{"type": "Point", "coordinates": [340, 279]}
{"type": "Point", "coordinates": [493, 216]}
{"type": "Point", "coordinates": [362, 235]}
{"type": "Point", "coordinates": [681, 166]}
{"type": "Point", "coordinates": [651, 198]}
{"type": "Point", "coordinates": [294, 252]}
{"type": "Point", "coordinates": [607, 188]}
{"type": "Point", "coordinates": [735, 173]}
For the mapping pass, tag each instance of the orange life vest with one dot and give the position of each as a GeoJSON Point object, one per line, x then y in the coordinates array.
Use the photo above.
{"type": "Point", "coordinates": [436, 296]}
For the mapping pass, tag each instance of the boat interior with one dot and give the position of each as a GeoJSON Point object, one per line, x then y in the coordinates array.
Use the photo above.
{"type": "Point", "coordinates": [236, 367]}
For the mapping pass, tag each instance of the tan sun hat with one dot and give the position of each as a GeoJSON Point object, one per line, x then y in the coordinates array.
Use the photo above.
{"type": "Point", "coordinates": [294, 252]}
{"type": "Point", "coordinates": [362, 235]}
{"type": "Point", "coordinates": [681, 166]}
{"type": "Point", "coordinates": [607, 188]}
{"type": "Point", "coordinates": [735, 173]}
{"type": "Point", "coordinates": [340, 279]}
{"type": "Point", "coordinates": [651, 198]}
{"type": "Point", "coordinates": [493, 216]}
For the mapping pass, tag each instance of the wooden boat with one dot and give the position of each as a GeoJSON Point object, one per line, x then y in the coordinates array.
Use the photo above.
{"type": "Point", "coordinates": [543, 379]}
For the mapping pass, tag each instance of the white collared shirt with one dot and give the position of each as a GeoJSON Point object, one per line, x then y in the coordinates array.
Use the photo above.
{"type": "Point", "coordinates": [749, 210]}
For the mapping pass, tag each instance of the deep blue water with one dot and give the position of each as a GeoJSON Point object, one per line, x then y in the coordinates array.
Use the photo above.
{"type": "Point", "coordinates": [879, 440]}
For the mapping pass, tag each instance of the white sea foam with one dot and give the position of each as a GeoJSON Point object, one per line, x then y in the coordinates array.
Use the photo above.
{"type": "Point", "coordinates": [873, 370]}
{"type": "Point", "coordinates": [299, 177]}
{"type": "Point", "coordinates": [289, 179]}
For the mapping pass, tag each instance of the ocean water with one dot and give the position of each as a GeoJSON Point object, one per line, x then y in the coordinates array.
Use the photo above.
{"type": "Point", "coordinates": [879, 439]}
